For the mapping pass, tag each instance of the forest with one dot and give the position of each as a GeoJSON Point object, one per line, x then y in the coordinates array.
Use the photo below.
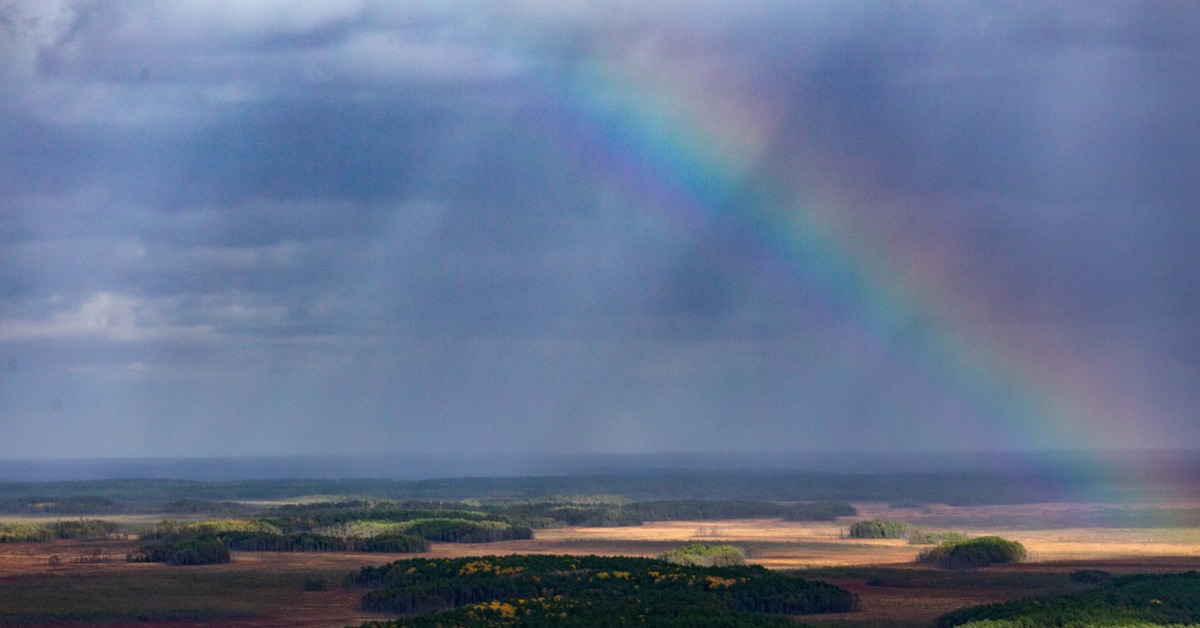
{"type": "Point", "coordinates": [588, 590]}
{"type": "Point", "coordinates": [1141, 599]}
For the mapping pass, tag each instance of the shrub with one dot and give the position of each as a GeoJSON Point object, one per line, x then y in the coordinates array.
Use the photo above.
{"type": "Point", "coordinates": [974, 553]}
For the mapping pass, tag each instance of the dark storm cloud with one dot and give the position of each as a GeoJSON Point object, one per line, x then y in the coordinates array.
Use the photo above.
{"type": "Point", "coordinates": [1066, 106]}
{"type": "Point", "coordinates": [254, 216]}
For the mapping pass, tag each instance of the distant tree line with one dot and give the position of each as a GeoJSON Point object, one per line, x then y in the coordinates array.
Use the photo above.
{"type": "Point", "coordinates": [957, 488]}
{"type": "Point", "coordinates": [309, 542]}
{"type": "Point", "coordinates": [351, 527]}
{"type": "Point", "coordinates": [303, 517]}
{"type": "Point", "coordinates": [555, 513]}
{"type": "Point", "coordinates": [515, 519]}
{"type": "Point", "coordinates": [210, 548]}
{"type": "Point", "coordinates": [62, 505]}
{"type": "Point", "coordinates": [204, 507]}
{"type": "Point", "coordinates": [84, 529]}
{"type": "Point", "coordinates": [464, 531]}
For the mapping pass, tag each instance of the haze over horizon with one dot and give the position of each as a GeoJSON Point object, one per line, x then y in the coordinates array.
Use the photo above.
{"type": "Point", "coordinates": [469, 228]}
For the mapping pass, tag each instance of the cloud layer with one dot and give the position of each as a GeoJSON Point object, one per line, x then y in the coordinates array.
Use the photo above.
{"type": "Point", "coordinates": [380, 227]}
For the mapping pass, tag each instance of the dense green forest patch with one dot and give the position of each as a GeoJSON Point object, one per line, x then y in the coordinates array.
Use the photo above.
{"type": "Point", "coordinates": [887, 529]}
{"type": "Point", "coordinates": [1143, 599]}
{"type": "Point", "coordinates": [199, 551]}
{"type": "Point", "coordinates": [588, 590]}
{"type": "Point", "coordinates": [705, 555]}
{"type": "Point", "coordinates": [880, 529]}
{"type": "Point", "coordinates": [974, 553]}
{"type": "Point", "coordinates": [309, 542]}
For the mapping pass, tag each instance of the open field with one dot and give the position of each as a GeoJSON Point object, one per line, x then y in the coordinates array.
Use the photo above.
{"type": "Point", "coordinates": [90, 581]}
{"type": "Point", "coordinates": [795, 545]}
{"type": "Point", "coordinates": [256, 590]}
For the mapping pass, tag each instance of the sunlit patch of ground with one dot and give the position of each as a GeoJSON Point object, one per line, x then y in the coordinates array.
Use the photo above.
{"type": "Point", "coordinates": [781, 544]}
{"type": "Point", "coordinates": [1067, 531]}
{"type": "Point", "coordinates": [1057, 515]}
{"type": "Point", "coordinates": [774, 543]}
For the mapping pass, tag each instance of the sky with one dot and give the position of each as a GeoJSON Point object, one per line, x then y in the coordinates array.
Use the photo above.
{"type": "Point", "coordinates": [473, 228]}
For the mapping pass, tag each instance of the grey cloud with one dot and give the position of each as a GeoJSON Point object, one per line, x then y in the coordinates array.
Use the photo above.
{"type": "Point", "coordinates": [244, 220]}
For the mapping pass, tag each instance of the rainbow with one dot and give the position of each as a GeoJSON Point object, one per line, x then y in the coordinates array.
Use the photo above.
{"type": "Point", "coordinates": [680, 140]}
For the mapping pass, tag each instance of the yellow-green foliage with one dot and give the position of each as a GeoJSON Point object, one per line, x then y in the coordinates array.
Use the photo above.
{"type": "Point", "coordinates": [417, 523]}
{"type": "Point", "coordinates": [19, 532]}
{"type": "Point", "coordinates": [362, 529]}
{"type": "Point", "coordinates": [68, 529]}
{"type": "Point", "coordinates": [704, 555]}
{"type": "Point", "coordinates": [174, 529]}
{"type": "Point", "coordinates": [485, 566]}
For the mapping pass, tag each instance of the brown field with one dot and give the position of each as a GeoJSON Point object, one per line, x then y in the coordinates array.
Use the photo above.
{"type": "Point", "coordinates": [776, 544]}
